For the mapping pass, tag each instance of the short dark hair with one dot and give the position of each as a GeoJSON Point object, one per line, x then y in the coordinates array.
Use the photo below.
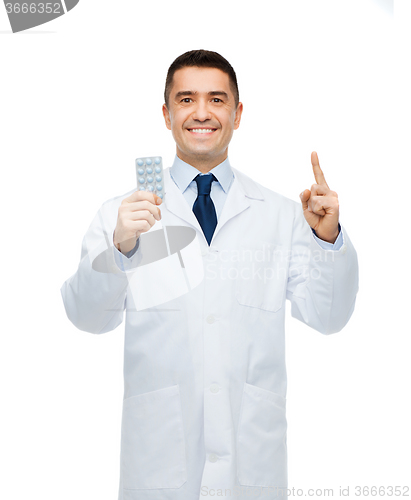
{"type": "Point", "coordinates": [202, 59]}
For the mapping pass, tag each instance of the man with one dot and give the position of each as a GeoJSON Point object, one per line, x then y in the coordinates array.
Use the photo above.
{"type": "Point", "coordinates": [204, 368]}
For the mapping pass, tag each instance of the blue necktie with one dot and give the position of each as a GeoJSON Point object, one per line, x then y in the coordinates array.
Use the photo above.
{"type": "Point", "coordinates": [203, 207]}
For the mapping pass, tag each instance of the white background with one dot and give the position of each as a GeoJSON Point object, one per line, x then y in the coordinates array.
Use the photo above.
{"type": "Point", "coordinates": [81, 98]}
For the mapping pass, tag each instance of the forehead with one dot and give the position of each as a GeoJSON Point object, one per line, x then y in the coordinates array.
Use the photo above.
{"type": "Point", "coordinates": [200, 80]}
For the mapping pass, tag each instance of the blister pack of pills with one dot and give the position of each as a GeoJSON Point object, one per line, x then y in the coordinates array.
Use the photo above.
{"type": "Point", "coordinates": [150, 175]}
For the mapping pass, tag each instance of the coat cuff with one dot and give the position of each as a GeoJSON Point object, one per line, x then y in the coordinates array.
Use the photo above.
{"type": "Point", "coordinates": [326, 245]}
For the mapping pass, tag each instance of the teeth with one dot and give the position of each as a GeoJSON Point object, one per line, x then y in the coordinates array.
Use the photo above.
{"type": "Point", "coordinates": [202, 130]}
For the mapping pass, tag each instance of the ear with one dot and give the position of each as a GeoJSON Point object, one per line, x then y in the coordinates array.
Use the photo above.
{"type": "Point", "coordinates": [238, 114]}
{"type": "Point", "coordinates": [166, 115]}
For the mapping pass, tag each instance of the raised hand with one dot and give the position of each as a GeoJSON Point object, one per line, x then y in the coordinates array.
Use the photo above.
{"type": "Point", "coordinates": [320, 205]}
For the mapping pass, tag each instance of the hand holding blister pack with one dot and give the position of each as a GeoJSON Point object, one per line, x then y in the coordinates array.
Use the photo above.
{"type": "Point", "coordinates": [134, 212]}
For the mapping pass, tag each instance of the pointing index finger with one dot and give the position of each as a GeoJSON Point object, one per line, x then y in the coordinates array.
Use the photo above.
{"type": "Point", "coordinates": [318, 173]}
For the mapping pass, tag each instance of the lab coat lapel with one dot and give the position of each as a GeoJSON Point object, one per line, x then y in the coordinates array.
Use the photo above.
{"type": "Point", "coordinates": [237, 201]}
{"type": "Point", "coordinates": [175, 202]}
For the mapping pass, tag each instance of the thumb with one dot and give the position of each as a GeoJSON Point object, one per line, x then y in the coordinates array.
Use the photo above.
{"type": "Point", "coordinates": [305, 196]}
{"type": "Point", "coordinates": [159, 201]}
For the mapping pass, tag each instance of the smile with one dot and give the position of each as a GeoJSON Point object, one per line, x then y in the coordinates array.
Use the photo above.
{"type": "Point", "coordinates": [201, 130]}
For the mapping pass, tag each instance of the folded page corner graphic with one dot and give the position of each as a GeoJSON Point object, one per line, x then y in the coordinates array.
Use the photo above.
{"type": "Point", "coordinates": [70, 4]}
{"type": "Point", "coordinates": [168, 265]}
{"type": "Point", "coordinates": [24, 15]}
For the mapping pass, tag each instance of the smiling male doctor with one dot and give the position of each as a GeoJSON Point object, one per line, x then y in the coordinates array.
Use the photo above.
{"type": "Point", "coordinates": [204, 370]}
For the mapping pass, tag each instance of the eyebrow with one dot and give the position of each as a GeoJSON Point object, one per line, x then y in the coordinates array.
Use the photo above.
{"type": "Point", "coordinates": [185, 93]}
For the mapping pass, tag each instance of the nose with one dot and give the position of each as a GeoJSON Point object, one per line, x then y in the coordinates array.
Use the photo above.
{"type": "Point", "coordinates": [201, 112]}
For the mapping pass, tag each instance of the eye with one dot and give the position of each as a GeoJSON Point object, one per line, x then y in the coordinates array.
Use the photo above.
{"type": "Point", "coordinates": [216, 99]}
{"type": "Point", "coordinates": [186, 99]}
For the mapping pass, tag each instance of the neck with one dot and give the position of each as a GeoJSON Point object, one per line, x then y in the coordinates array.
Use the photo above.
{"type": "Point", "coordinates": [202, 163]}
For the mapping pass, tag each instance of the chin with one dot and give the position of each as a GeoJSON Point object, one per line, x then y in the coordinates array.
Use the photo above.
{"type": "Point", "coordinates": [204, 155]}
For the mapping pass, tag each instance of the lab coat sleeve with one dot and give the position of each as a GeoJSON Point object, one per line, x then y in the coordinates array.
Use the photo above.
{"type": "Point", "coordinates": [322, 283]}
{"type": "Point", "coordinates": [95, 296]}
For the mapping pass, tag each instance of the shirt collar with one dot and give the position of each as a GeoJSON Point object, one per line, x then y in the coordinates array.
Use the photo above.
{"type": "Point", "coordinates": [183, 174]}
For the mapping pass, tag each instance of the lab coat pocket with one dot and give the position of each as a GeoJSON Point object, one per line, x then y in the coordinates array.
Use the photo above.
{"type": "Point", "coordinates": [152, 441]}
{"type": "Point", "coordinates": [262, 439]}
{"type": "Point", "coordinates": [261, 276]}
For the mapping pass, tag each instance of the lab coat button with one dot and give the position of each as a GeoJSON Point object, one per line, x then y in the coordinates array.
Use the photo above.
{"type": "Point", "coordinates": [213, 457]}
{"type": "Point", "coordinates": [210, 319]}
{"type": "Point", "coordinates": [344, 249]}
{"type": "Point", "coordinates": [214, 388]}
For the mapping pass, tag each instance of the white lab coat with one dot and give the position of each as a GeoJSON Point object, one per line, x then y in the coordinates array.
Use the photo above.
{"type": "Point", "coordinates": [204, 410]}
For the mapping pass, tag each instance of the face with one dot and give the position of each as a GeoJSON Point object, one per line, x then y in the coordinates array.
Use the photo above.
{"type": "Point", "coordinates": [202, 115]}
